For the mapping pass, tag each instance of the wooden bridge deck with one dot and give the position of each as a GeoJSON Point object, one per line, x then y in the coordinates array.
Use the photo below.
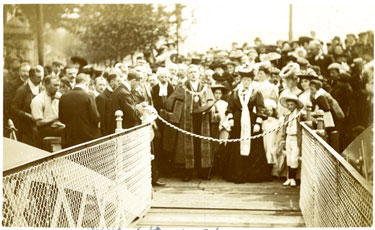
{"type": "Point", "coordinates": [217, 203]}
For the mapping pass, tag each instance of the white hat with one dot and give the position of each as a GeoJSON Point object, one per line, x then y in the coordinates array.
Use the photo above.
{"type": "Point", "coordinates": [335, 66]}
{"type": "Point", "coordinates": [290, 70]}
{"type": "Point", "coordinates": [284, 99]}
{"type": "Point", "coordinates": [270, 104]}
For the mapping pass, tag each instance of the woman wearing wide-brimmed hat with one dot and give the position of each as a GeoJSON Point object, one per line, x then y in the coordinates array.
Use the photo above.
{"type": "Point", "coordinates": [247, 160]}
{"type": "Point", "coordinates": [305, 77]}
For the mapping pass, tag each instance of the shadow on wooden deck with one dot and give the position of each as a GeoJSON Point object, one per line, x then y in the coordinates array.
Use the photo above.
{"type": "Point", "coordinates": [217, 203]}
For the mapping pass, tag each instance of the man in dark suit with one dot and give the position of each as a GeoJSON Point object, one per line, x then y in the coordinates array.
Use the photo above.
{"type": "Point", "coordinates": [11, 86]}
{"type": "Point", "coordinates": [122, 99]}
{"type": "Point", "coordinates": [160, 93]}
{"type": "Point", "coordinates": [103, 102]}
{"type": "Point", "coordinates": [21, 110]}
{"type": "Point", "coordinates": [77, 110]}
{"type": "Point", "coordinates": [320, 59]}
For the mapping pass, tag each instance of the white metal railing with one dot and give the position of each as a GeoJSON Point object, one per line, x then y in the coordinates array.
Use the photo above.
{"type": "Point", "coordinates": [102, 183]}
{"type": "Point", "coordinates": [333, 193]}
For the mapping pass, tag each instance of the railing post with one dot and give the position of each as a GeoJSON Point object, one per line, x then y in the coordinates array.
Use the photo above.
{"type": "Point", "coordinates": [118, 115]}
{"type": "Point", "coordinates": [320, 126]}
{"type": "Point", "coordinates": [334, 141]}
{"type": "Point", "coordinates": [308, 114]}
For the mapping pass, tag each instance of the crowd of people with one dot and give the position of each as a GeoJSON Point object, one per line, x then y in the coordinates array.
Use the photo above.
{"type": "Point", "coordinates": [239, 93]}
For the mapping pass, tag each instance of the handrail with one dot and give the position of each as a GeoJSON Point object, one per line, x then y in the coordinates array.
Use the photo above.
{"type": "Point", "coordinates": [332, 193]}
{"type": "Point", "coordinates": [71, 149]}
{"type": "Point", "coordinates": [366, 184]}
{"type": "Point", "coordinates": [105, 182]}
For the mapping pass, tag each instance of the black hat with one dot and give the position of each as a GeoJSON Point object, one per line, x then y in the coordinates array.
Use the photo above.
{"type": "Point", "coordinates": [223, 88]}
{"type": "Point", "coordinates": [304, 39]}
{"type": "Point", "coordinates": [246, 73]}
{"type": "Point", "coordinates": [195, 61]}
{"type": "Point", "coordinates": [215, 65]}
{"type": "Point", "coordinates": [78, 60]}
{"type": "Point", "coordinates": [307, 74]}
{"type": "Point", "coordinates": [344, 77]}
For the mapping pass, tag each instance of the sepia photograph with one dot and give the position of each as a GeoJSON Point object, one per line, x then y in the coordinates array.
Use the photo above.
{"type": "Point", "coordinates": [182, 114]}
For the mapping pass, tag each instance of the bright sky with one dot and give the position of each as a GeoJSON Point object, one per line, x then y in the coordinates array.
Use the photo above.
{"type": "Point", "coordinates": [219, 24]}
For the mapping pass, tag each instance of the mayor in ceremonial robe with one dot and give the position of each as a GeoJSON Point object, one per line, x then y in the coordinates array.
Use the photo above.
{"type": "Point", "coordinates": [186, 108]}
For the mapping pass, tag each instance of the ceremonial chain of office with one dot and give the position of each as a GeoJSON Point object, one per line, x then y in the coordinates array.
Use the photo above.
{"type": "Point", "coordinates": [195, 93]}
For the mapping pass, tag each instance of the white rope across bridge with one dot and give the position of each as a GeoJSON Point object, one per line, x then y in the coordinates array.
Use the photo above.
{"type": "Point", "coordinates": [153, 111]}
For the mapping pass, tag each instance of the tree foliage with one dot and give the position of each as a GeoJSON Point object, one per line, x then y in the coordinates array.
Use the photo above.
{"type": "Point", "coordinates": [114, 31]}
{"type": "Point", "coordinates": [111, 31]}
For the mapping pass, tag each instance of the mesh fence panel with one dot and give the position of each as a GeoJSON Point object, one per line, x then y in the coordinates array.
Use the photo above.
{"type": "Point", "coordinates": [332, 194]}
{"type": "Point", "coordinates": [107, 184]}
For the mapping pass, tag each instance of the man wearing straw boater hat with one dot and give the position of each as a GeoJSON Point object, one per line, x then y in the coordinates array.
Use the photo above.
{"type": "Point", "coordinates": [292, 135]}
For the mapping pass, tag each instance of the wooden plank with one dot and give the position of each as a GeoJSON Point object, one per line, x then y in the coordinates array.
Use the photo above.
{"type": "Point", "coordinates": [225, 211]}
{"type": "Point", "coordinates": [218, 218]}
{"type": "Point", "coordinates": [225, 201]}
{"type": "Point", "coordinates": [218, 184]}
{"type": "Point", "coordinates": [244, 191]}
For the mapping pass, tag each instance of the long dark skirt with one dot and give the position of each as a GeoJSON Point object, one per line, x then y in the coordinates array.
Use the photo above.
{"type": "Point", "coordinates": [252, 168]}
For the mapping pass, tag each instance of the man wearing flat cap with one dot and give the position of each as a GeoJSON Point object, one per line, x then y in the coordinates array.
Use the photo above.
{"type": "Point", "coordinates": [186, 108]}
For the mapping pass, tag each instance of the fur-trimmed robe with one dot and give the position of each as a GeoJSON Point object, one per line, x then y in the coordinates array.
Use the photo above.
{"type": "Point", "coordinates": [179, 108]}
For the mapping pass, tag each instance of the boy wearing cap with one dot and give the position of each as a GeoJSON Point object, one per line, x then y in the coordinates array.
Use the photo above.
{"type": "Point", "coordinates": [292, 135]}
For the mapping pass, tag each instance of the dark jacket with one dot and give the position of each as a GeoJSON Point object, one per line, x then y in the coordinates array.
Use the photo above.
{"type": "Point", "coordinates": [10, 89]}
{"type": "Point", "coordinates": [323, 62]}
{"type": "Point", "coordinates": [103, 103]}
{"type": "Point", "coordinates": [158, 100]}
{"type": "Point", "coordinates": [122, 99]}
{"type": "Point", "coordinates": [77, 110]}
{"type": "Point", "coordinates": [20, 105]}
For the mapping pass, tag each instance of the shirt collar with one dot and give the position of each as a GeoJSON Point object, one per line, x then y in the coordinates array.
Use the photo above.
{"type": "Point", "coordinates": [194, 85]}
{"type": "Point", "coordinates": [319, 93]}
{"type": "Point", "coordinates": [34, 88]}
{"type": "Point", "coordinates": [127, 85]}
